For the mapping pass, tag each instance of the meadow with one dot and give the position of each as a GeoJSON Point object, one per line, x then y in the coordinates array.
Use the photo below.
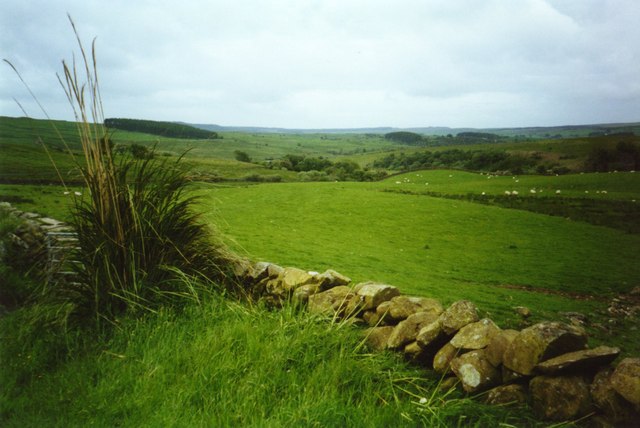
{"type": "Point", "coordinates": [447, 234]}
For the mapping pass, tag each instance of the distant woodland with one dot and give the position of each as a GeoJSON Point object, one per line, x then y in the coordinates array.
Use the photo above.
{"type": "Point", "coordinates": [164, 129]}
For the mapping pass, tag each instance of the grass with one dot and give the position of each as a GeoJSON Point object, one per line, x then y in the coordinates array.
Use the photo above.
{"type": "Point", "coordinates": [221, 364]}
{"type": "Point", "coordinates": [435, 247]}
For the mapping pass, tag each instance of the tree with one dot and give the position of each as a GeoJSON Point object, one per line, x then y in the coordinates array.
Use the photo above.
{"type": "Point", "coordinates": [242, 156]}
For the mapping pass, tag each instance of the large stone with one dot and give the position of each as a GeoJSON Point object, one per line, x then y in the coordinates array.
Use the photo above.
{"type": "Point", "coordinates": [430, 334]}
{"type": "Point", "coordinates": [626, 380]}
{"type": "Point", "coordinates": [560, 398]}
{"type": "Point", "coordinates": [406, 331]}
{"type": "Point", "coordinates": [331, 302]}
{"type": "Point", "coordinates": [401, 307]}
{"type": "Point", "coordinates": [476, 335]}
{"type": "Point", "coordinates": [475, 372]}
{"type": "Point", "coordinates": [413, 352]}
{"type": "Point", "coordinates": [541, 342]}
{"type": "Point", "coordinates": [498, 345]}
{"type": "Point", "coordinates": [330, 278]}
{"type": "Point", "coordinates": [458, 315]}
{"type": "Point", "coordinates": [579, 360]}
{"type": "Point", "coordinates": [506, 394]}
{"type": "Point", "coordinates": [606, 398]}
{"type": "Point", "coordinates": [301, 294]}
{"type": "Point", "coordinates": [372, 294]}
{"type": "Point", "coordinates": [443, 358]}
{"type": "Point", "coordinates": [293, 278]}
{"type": "Point", "coordinates": [377, 337]}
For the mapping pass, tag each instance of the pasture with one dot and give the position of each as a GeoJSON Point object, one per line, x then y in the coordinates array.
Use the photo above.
{"type": "Point", "coordinates": [443, 248]}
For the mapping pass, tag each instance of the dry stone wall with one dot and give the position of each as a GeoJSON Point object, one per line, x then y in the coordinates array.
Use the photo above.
{"type": "Point", "coordinates": [547, 365]}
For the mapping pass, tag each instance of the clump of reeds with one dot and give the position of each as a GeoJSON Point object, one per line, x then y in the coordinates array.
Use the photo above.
{"type": "Point", "coordinates": [139, 239]}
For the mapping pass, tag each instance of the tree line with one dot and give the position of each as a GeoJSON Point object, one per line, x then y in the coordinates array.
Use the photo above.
{"type": "Point", "coordinates": [164, 129]}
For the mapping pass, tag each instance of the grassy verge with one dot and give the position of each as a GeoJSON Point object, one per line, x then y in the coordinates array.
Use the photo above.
{"type": "Point", "coordinates": [220, 364]}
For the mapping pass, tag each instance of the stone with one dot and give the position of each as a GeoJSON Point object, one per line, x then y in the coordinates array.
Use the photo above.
{"type": "Point", "coordinates": [377, 337]}
{"type": "Point", "coordinates": [330, 278]}
{"type": "Point", "coordinates": [406, 331]}
{"type": "Point", "coordinates": [413, 352]}
{"type": "Point", "coordinates": [293, 278]}
{"type": "Point", "coordinates": [372, 318]}
{"type": "Point", "coordinates": [401, 307]}
{"type": "Point", "coordinates": [476, 335]}
{"type": "Point", "coordinates": [579, 360]}
{"type": "Point", "coordinates": [442, 359]}
{"type": "Point", "coordinates": [626, 380]}
{"type": "Point", "coordinates": [560, 398]}
{"type": "Point", "coordinates": [506, 394]}
{"type": "Point", "coordinates": [301, 294]}
{"type": "Point", "coordinates": [449, 383]}
{"type": "Point", "coordinates": [430, 334]}
{"type": "Point", "coordinates": [372, 294]}
{"type": "Point", "coordinates": [509, 376]}
{"type": "Point", "coordinates": [498, 345]}
{"type": "Point", "coordinates": [606, 398]}
{"type": "Point", "coordinates": [458, 315]}
{"type": "Point", "coordinates": [331, 302]}
{"type": "Point", "coordinates": [523, 311]}
{"type": "Point", "coordinates": [475, 372]}
{"type": "Point", "coordinates": [541, 342]}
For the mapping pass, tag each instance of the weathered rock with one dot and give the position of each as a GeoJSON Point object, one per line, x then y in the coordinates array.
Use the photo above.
{"type": "Point", "coordinates": [449, 383]}
{"type": "Point", "coordinates": [443, 358]}
{"type": "Point", "coordinates": [476, 335]}
{"type": "Point", "coordinates": [606, 398]}
{"type": "Point", "coordinates": [372, 294]}
{"type": "Point", "coordinates": [626, 380]}
{"type": "Point", "coordinates": [413, 352]}
{"type": "Point", "coordinates": [264, 270]}
{"type": "Point", "coordinates": [475, 372]}
{"type": "Point", "coordinates": [458, 315]}
{"type": "Point", "coordinates": [330, 278]}
{"type": "Point", "coordinates": [406, 331]}
{"type": "Point", "coordinates": [332, 301]}
{"type": "Point", "coordinates": [506, 394]}
{"type": "Point", "coordinates": [372, 318]}
{"type": "Point", "coordinates": [301, 294]}
{"type": "Point", "coordinates": [401, 307]}
{"type": "Point", "coordinates": [430, 334]}
{"type": "Point", "coordinates": [540, 342]}
{"type": "Point", "coordinates": [579, 360]}
{"type": "Point", "coordinates": [377, 337]}
{"type": "Point", "coordinates": [293, 278]}
{"type": "Point", "coordinates": [523, 311]}
{"type": "Point", "coordinates": [509, 376]}
{"type": "Point", "coordinates": [498, 345]}
{"type": "Point", "coordinates": [560, 398]}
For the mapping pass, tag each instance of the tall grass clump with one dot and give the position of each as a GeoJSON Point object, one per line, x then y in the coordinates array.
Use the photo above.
{"type": "Point", "coordinates": [138, 234]}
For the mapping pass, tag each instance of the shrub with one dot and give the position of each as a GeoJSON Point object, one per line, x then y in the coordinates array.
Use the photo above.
{"type": "Point", "coordinates": [138, 236]}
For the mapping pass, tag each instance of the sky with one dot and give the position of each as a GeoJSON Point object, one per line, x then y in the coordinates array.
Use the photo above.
{"type": "Point", "coordinates": [333, 63]}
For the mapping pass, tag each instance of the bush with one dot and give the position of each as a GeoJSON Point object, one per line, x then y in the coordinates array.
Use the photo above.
{"type": "Point", "coordinates": [138, 235]}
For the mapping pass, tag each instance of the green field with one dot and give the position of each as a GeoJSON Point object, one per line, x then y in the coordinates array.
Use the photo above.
{"type": "Point", "coordinates": [566, 243]}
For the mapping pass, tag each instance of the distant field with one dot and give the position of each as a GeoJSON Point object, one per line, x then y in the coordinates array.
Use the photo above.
{"type": "Point", "coordinates": [431, 246]}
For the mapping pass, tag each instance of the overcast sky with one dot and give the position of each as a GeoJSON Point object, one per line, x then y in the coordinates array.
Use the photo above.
{"type": "Point", "coordinates": [335, 63]}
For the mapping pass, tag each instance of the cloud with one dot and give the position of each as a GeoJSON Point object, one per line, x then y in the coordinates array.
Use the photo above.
{"type": "Point", "coordinates": [329, 63]}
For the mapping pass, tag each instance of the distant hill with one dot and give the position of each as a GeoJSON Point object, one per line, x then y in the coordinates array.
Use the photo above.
{"type": "Point", "coordinates": [546, 132]}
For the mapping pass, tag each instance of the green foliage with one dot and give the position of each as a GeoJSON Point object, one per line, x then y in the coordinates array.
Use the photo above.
{"type": "Point", "coordinates": [404, 137]}
{"type": "Point", "coordinates": [140, 152]}
{"type": "Point", "coordinates": [242, 156]}
{"type": "Point", "coordinates": [219, 364]}
{"type": "Point", "coordinates": [138, 238]}
{"type": "Point", "coordinates": [165, 129]}
{"type": "Point", "coordinates": [478, 160]}
{"type": "Point", "coordinates": [624, 157]}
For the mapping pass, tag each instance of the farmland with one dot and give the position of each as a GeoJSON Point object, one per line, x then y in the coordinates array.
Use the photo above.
{"type": "Point", "coordinates": [557, 244]}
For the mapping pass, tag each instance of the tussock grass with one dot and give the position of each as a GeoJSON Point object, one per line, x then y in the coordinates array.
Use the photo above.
{"type": "Point", "coordinates": [222, 364]}
{"type": "Point", "coordinates": [138, 236]}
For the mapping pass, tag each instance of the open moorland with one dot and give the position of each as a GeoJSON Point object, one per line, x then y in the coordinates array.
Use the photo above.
{"type": "Point", "coordinates": [552, 224]}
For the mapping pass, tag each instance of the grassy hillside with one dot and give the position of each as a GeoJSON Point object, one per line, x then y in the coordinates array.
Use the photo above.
{"type": "Point", "coordinates": [436, 247]}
